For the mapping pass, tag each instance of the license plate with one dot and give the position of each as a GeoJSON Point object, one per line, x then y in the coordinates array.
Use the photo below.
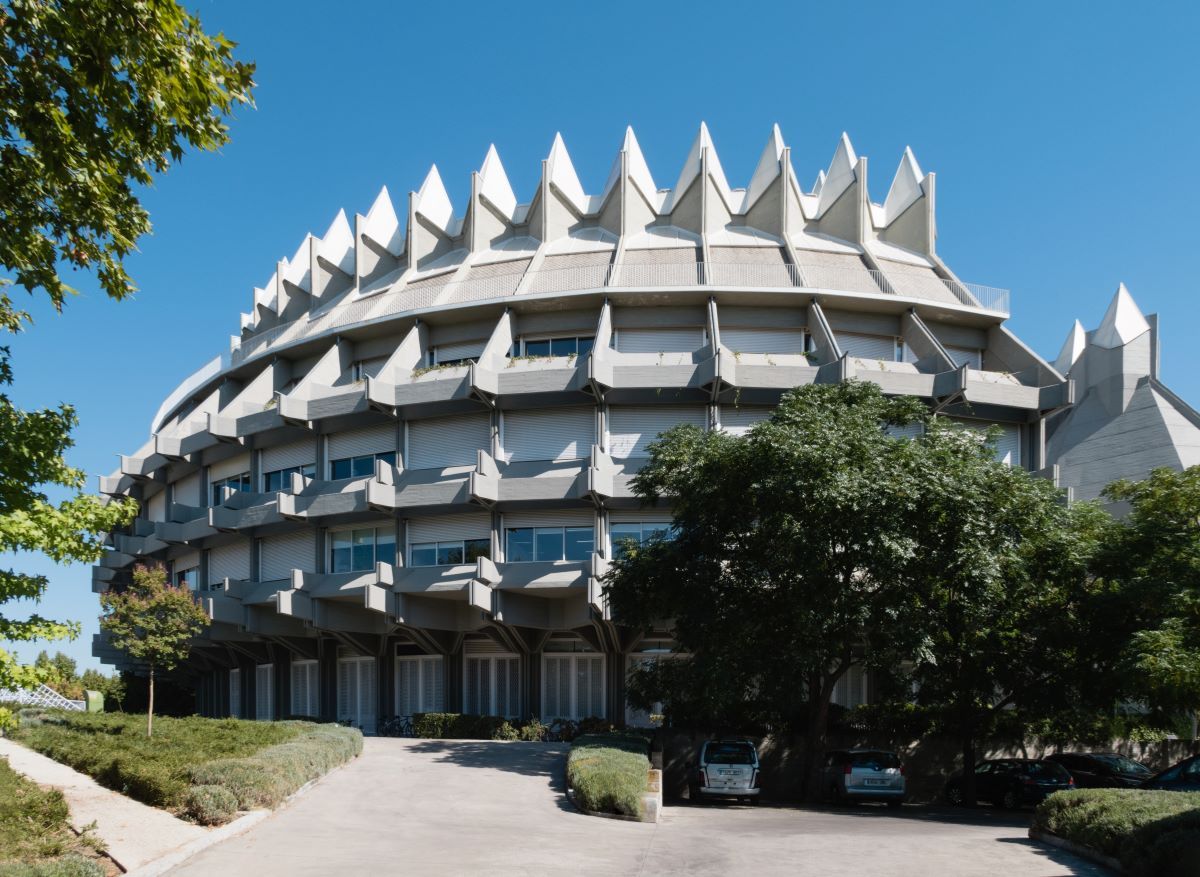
{"type": "Point", "coordinates": [878, 783]}
{"type": "Point", "coordinates": [727, 773]}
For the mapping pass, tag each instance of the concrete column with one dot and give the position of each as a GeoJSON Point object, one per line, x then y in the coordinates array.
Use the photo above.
{"type": "Point", "coordinates": [327, 671]}
{"type": "Point", "coordinates": [452, 678]}
{"type": "Point", "coordinates": [283, 682]}
{"type": "Point", "coordinates": [387, 679]}
{"type": "Point", "coordinates": [534, 687]}
{"type": "Point", "coordinates": [248, 688]}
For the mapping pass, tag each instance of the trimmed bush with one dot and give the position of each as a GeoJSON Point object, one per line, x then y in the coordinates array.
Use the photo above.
{"type": "Point", "coordinates": [533, 731]}
{"type": "Point", "coordinates": [67, 866]}
{"type": "Point", "coordinates": [456, 726]}
{"type": "Point", "coordinates": [210, 805]}
{"type": "Point", "coordinates": [608, 772]}
{"type": "Point", "coordinates": [506, 732]}
{"type": "Point", "coordinates": [36, 839]}
{"type": "Point", "coordinates": [1149, 832]}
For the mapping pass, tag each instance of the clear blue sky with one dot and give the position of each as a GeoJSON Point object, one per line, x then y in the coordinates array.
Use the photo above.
{"type": "Point", "coordinates": [1064, 136]}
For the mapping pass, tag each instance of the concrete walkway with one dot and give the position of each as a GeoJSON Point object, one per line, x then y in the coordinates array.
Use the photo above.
{"type": "Point", "coordinates": [135, 834]}
{"type": "Point", "coordinates": [449, 807]}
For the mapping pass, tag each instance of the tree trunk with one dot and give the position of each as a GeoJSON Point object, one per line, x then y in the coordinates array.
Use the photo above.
{"type": "Point", "coordinates": [968, 772]}
{"type": "Point", "coordinates": [814, 741]}
{"type": "Point", "coordinates": [150, 710]}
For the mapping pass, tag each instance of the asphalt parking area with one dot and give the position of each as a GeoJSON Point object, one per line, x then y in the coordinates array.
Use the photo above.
{"type": "Point", "coordinates": [470, 807]}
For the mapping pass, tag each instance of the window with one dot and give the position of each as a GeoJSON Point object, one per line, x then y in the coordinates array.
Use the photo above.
{"type": "Point", "coordinates": [572, 686]}
{"type": "Point", "coordinates": [220, 490]}
{"type": "Point", "coordinates": [493, 686]}
{"type": "Point", "coordinates": [264, 692]}
{"type": "Point", "coordinates": [548, 543]}
{"type": "Point", "coordinates": [356, 371]}
{"type": "Point", "coordinates": [235, 693]}
{"type": "Point", "coordinates": [419, 686]}
{"type": "Point", "coordinates": [570, 346]}
{"type": "Point", "coordinates": [189, 578]}
{"type": "Point", "coordinates": [306, 689]}
{"type": "Point", "coordinates": [358, 550]}
{"type": "Point", "coordinates": [450, 553]}
{"type": "Point", "coordinates": [281, 479]}
{"type": "Point", "coordinates": [359, 467]}
{"type": "Point", "coordinates": [900, 350]}
{"type": "Point", "coordinates": [623, 535]}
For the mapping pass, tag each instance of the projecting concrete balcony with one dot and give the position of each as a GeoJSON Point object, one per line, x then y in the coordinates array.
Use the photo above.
{"type": "Point", "coordinates": [543, 595]}
{"type": "Point", "coordinates": [755, 373]}
{"type": "Point", "coordinates": [323, 499]}
{"type": "Point", "coordinates": [142, 465]}
{"type": "Point", "coordinates": [325, 402]}
{"type": "Point", "coordinates": [440, 390]}
{"type": "Point", "coordinates": [117, 484]}
{"type": "Point", "coordinates": [189, 437]}
{"type": "Point", "coordinates": [438, 597]}
{"type": "Point", "coordinates": [255, 423]}
{"type": "Point", "coordinates": [529, 381]}
{"type": "Point", "coordinates": [116, 559]}
{"type": "Point", "coordinates": [139, 546]}
{"type": "Point", "coordinates": [651, 378]}
{"type": "Point", "coordinates": [1007, 390]}
{"type": "Point", "coordinates": [414, 490]}
{"type": "Point", "coordinates": [185, 524]}
{"type": "Point", "coordinates": [529, 483]}
{"type": "Point", "coordinates": [102, 579]}
{"type": "Point", "coordinates": [242, 511]}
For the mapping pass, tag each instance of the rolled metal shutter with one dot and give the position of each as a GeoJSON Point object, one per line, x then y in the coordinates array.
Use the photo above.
{"type": "Point", "coordinates": [483, 646]}
{"type": "Point", "coordinates": [448, 441]}
{"type": "Point", "coordinates": [360, 442]}
{"type": "Point", "coordinates": [763, 340]}
{"type": "Point", "coordinates": [305, 688]}
{"type": "Point", "coordinates": [281, 554]}
{"type": "Point", "coordinates": [556, 518]}
{"type": "Point", "coordinates": [659, 340]}
{"type": "Point", "coordinates": [1008, 444]}
{"type": "Point", "coordinates": [913, 430]}
{"type": "Point", "coordinates": [156, 509]}
{"type": "Point", "coordinates": [191, 560]}
{"type": "Point", "coordinates": [303, 453]}
{"type": "Point", "coordinates": [462, 350]}
{"type": "Point", "coordinates": [551, 434]}
{"type": "Point", "coordinates": [229, 562]}
{"type": "Point", "coordinates": [631, 430]}
{"type": "Point", "coordinates": [738, 420]}
{"type": "Point", "coordinates": [186, 491]}
{"type": "Point", "coordinates": [867, 346]}
{"type": "Point", "coordinates": [448, 528]}
{"type": "Point", "coordinates": [971, 357]}
{"type": "Point", "coordinates": [225, 468]}
{"type": "Point", "coordinates": [264, 692]}
{"type": "Point", "coordinates": [372, 367]}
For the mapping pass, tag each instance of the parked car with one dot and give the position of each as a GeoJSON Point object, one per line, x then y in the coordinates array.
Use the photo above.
{"type": "Point", "coordinates": [1181, 777]}
{"type": "Point", "coordinates": [1102, 770]}
{"type": "Point", "coordinates": [1012, 782]}
{"type": "Point", "coordinates": [724, 768]}
{"type": "Point", "coordinates": [863, 775]}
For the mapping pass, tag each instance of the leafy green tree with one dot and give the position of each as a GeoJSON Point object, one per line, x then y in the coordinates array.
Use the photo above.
{"type": "Point", "coordinates": [97, 96]}
{"type": "Point", "coordinates": [1155, 566]}
{"type": "Point", "coordinates": [112, 687]}
{"type": "Point", "coordinates": [59, 673]}
{"type": "Point", "coordinates": [153, 622]}
{"type": "Point", "coordinates": [1002, 576]}
{"type": "Point", "coordinates": [796, 539]}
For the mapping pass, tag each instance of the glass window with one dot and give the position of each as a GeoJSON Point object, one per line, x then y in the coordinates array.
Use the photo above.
{"type": "Point", "coordinates": [358, 550]}
{"type": "Point", "coordinates": [476, 548]}
{"type": "Point", "coordinates": [580, 542]}
{"type": "Point", "coordinates": [364, 549]}
{"type": "Point", "coordinates": [449, 553]}
{"type": "Point", "coordinates": [358, 467]}
{"type": "Point", "coordinates": [548, 543]}
{"type": "Point", "coordinates": [281, 479]}
{"type": "Point", "coordinates": [385, 547]}
{"type": "Point", "coordinates": [233, 483]}
{"type": "Point", "coordinates": [564, 346]}
{"type": "Point", "coordinates": [623, 535]}
{"type": "Point", "coordinates": [340, 555]}
{"type": "Point", "coordinates": [520, 545]}
{"type": "Point", "coordinates": [585, 346]}
{"type": "Point", "coordinates": [540, 347]}
{"type": "Point", "coordinates": [189, 578]}
{"type": "Point", "coordinates": [424, 554]}
{"type": "Point", "coordinates": [339, 469]}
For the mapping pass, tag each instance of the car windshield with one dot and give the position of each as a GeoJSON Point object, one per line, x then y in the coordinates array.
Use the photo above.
{"type": "Point", "coordinates": [1047, 770]}
{"type": "Point", "coordinates": [874, 760]}
{"type": "Point", "coordinates": [1121, 764]}
{"type": "Point", "coordinates": [730, 753]}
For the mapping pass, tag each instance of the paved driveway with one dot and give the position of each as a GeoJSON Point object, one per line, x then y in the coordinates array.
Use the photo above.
{"type": "Point", "coordinates": [444, 807]}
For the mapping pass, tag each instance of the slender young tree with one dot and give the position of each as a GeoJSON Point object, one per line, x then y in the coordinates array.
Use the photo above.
{"type": "Point", "coordinates": [788, 561]}
{"type": "Point", "coordinates": [153, 622]}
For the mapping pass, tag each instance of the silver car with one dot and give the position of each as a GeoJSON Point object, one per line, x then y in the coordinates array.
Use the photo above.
{"type": "Point", "coordinates": [725, 768]}
{"type": "Point", "coordinates": [863, 775]}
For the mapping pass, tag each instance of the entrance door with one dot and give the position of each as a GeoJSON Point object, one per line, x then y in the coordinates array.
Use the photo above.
{"type": "Point", "coordinates": [356, 692]}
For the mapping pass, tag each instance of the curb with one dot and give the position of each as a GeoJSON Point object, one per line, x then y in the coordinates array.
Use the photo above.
{"type": "Point", "coordinates": [1077, 849]}
{"type": "Point", "coordinates": [225, 832]}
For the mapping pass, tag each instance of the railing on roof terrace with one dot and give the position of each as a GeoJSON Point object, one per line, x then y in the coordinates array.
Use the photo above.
{"type": "Point", "coordinates": [628, 275]}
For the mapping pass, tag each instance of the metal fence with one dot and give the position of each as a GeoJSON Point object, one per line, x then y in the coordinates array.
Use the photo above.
{"type": "Point", "coordinates": [43, 696]}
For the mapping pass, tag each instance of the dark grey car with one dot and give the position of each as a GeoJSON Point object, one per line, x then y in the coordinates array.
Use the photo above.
{"type": "Point", "coordinates": [863, 775]}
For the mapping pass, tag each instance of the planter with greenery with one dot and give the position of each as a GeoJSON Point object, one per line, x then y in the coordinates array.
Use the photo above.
{"type": "Point", "coordinates": [204, 769]}
{"type": "Point", "coordinates": [1148, 832]}
{"type": "Point", "coordinates": [607, 773]}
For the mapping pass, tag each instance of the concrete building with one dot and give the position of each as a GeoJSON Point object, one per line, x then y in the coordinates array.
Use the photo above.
{"type": "Point", "coordinates": [399, 489]}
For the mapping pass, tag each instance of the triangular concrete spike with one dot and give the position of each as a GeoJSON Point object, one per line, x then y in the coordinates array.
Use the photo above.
{"type": "Point", "coordinates": [767, 170]}
{"type": "Point", "coordinates": [494, 184]}
{"type": "Point", "coordinates": [561, 171]}
{"type": "Point", "coordinates": [840, 175]}
{"type": "Point", "coordinates": [433, 202]}
{"type": "Point", "coordinates": [906, 186]}
{"type": "Point", "coordinates": [691, 165]}
{"type": "Point", "coordinates": [337, 244]}
{"type": "Point", "coordinates": [1071, 349]}
{"type": "Point", "coordinates": [298, 266]}
{"type": "Point", "coordinates": [381, 224]}
{"type": "Point", "coordinates": [1123, 321]}
{"type": "Point", "coordinates": [639, 171]}
{"type": "Point", "coordinates": [819, 183]}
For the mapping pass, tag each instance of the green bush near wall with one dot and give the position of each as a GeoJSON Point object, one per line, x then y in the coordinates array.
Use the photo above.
{"type": "Point", "coordinates": [608, 772]}
{"type": "Point", "coordinates": [1150, 832]}
{"type": "Point", "coordinates": [457, 726]}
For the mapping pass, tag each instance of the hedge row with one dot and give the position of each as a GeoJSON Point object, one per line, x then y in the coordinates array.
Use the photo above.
{"type": "Point", "coordinates": [1149, 832]}
{"type": "Point", "coordinates": [608, 772]}
{"type": "Point", "coordinates": [465, 726]}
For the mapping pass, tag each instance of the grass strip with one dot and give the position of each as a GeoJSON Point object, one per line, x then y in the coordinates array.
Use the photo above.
{"type": "Point", "coordinates": [608, 772]}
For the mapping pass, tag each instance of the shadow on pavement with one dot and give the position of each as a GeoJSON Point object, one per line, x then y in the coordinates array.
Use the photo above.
{"type": "Point", "coordinates": [528, 759]}
{"type": "Point", "coordinates": [1071, 864]}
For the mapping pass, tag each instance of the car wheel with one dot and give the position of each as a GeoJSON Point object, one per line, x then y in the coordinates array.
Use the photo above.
{"type": "Point", "coordinates": [954, 795]}
{"type": "Point", "coordinates": [1011, 800]}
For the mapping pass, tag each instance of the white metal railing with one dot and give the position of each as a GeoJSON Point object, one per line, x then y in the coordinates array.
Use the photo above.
{"type": "Point", "coordinates": [627, 275]}
{"type": "Point", "coordinates": [43, 696]}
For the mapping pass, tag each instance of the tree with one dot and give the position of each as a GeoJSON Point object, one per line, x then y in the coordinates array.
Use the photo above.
{"type": "Point", "coordinates": [153, 622]}
{"type": "Point", "coordinates": [59, 673]}
{"type": "Point", "coordinates": [1155, 566]}
{"type": "Point", "coordinates": [97, 96]}
{"type": "Point", "coordinates": [112, 687]}
{"type": "Point", "coordinates": [1001, 574]}
{"type": "Point", "coordinates": [794, 538]}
